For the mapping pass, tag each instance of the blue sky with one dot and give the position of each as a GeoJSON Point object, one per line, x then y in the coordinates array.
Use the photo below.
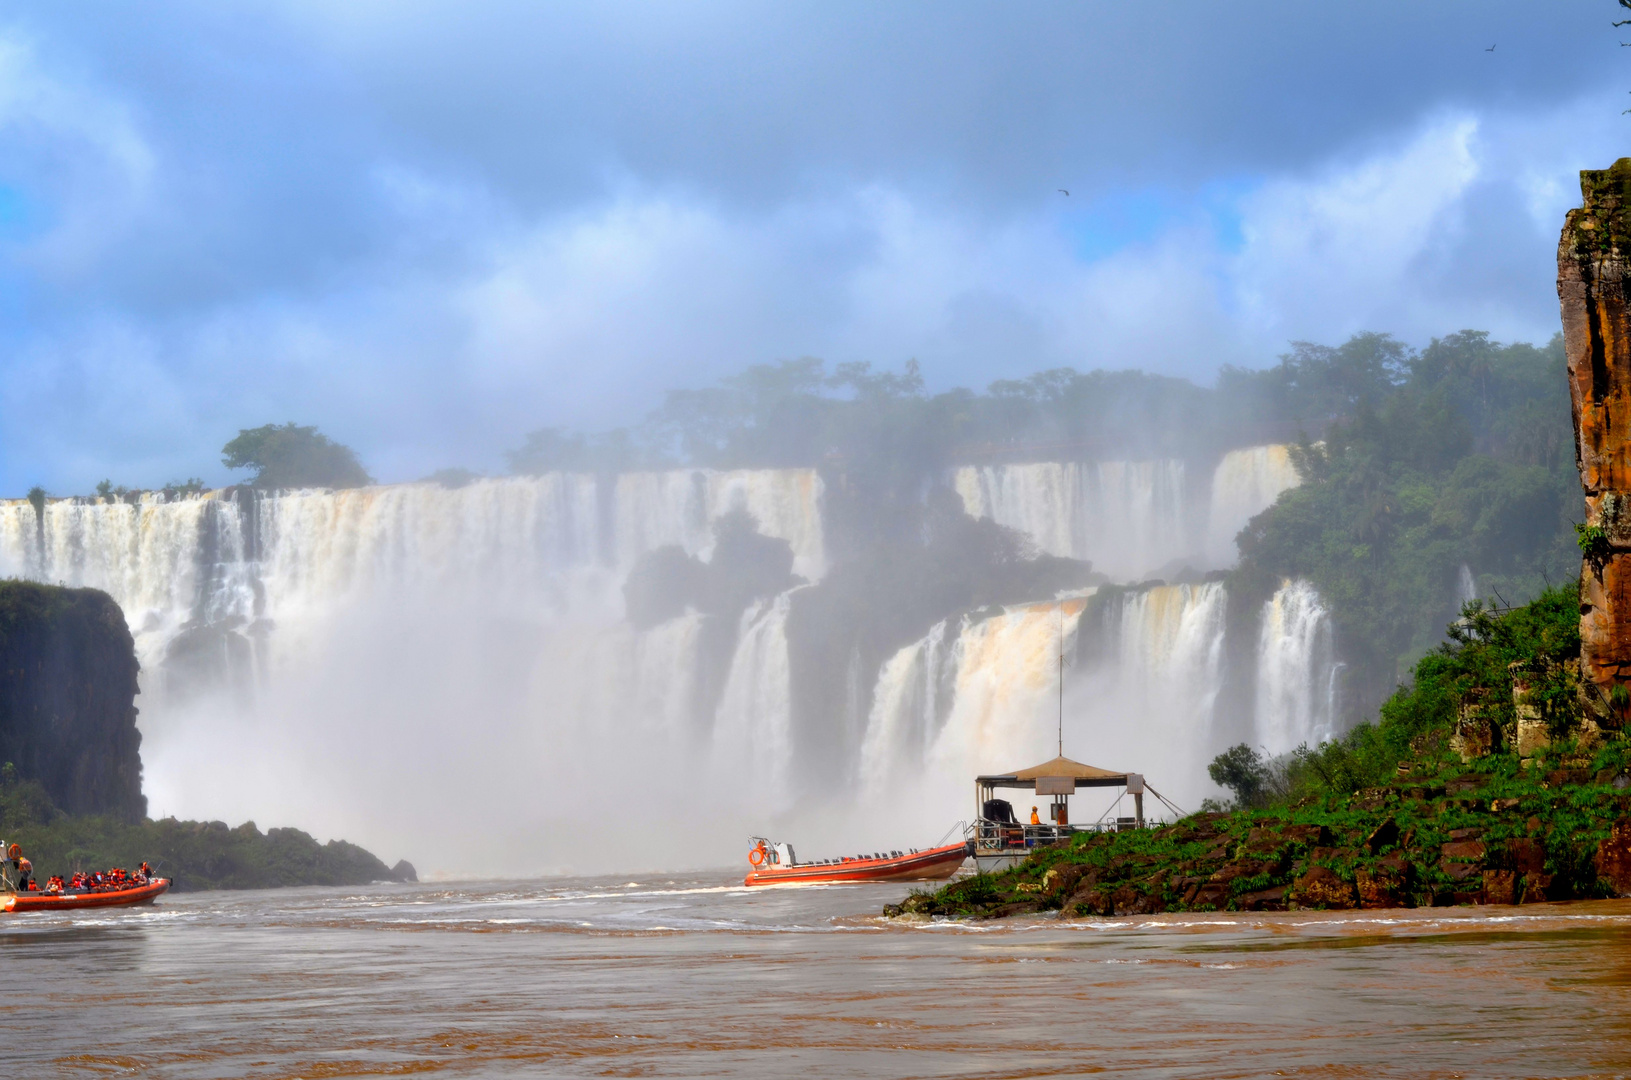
{"type": "Point", "coordinates": [431, 227]}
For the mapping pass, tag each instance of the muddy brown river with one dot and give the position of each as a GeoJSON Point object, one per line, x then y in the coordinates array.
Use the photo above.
{"type": "Point", "coordinates": [696, 976]}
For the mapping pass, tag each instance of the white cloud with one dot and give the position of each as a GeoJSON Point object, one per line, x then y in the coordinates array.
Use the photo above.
{"type": "Point", "coordinates": [80, 143]}
{"type": "Point", "coordinates": [480, 321]}
{"type": "Point", "coordinates": [1327, 251]}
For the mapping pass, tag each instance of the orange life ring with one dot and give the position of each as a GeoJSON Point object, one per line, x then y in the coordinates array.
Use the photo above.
{"type": "Point", "coordinates": [14, 851]}
{"type": "Point", "coordinates": [757, 856]}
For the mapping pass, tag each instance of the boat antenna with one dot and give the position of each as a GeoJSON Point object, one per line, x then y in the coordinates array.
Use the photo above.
{"type": "Point", "coordinates": [1061, 680]}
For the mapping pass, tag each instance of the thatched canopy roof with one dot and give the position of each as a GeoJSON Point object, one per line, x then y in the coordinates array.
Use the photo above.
{"type": "Point", "coordinates": [1084, 775]}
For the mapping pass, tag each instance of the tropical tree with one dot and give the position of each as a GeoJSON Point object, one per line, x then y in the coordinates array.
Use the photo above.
{"type": "Point", "coordinates": [292, 456]}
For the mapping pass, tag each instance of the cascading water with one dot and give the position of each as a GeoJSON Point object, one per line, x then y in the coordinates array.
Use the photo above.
{"type": "Point", "coordinates": [1466, 586]}
{"type": "Point", "coordinates": [1295, 671]}
{"type": "Point", "coordinates": [753, 733]}
{"type": "Point", "coordinates": [1127, 517]}
{"type": "Point", "coordinates": [1244, 484]}
{"type": "Point", "coordinates": [908, 706]}
{"type": "Point", "coordinates": [1145, 669]}
{"type": "Point", "coordinates": [942, 714]}
{"type": "Point", "coordinates": [1130, 518]}
{"type": "Point", "coordinates": [165, 561]}
{"type": "Point", "coordinates": [401, 647]}
{"type": "Point", "coordinates": [555, 546]}
{"type": "Point", "coordinates": [1146, 698]}
{"type": "Point", "coordinates": [414, 645]}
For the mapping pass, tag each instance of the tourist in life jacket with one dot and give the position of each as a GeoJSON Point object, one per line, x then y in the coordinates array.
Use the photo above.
{"type": "Point", "coordinates": [1034, 819]}
{"type": "Point", "coordinates": [145, 874]}
{"type": "Point", "coordinates": [54, 886]}
{"type": "Point", "coordinates": [25, 874]}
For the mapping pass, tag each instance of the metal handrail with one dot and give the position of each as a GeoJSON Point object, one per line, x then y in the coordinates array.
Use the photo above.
{"type": "Point", "coordinates": [991, 835]}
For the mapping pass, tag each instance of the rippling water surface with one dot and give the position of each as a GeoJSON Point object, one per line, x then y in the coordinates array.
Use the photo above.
{"type": "Point", "coordinates": [696, 976]}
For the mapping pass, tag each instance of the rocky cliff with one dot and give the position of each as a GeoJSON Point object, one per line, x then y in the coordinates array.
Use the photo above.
{"type": "Point", "coordinates": [1592, 258]}
{"type": "Point", "coordinates": [67, 686]}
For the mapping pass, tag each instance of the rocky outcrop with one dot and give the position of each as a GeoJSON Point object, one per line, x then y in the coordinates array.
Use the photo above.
{"type": "Point", "coordinates": [1613, 861]}
{"type": "Point", "coordinates": [1592, 259]}
{"type": "Point", "coordinates": [67, 698]}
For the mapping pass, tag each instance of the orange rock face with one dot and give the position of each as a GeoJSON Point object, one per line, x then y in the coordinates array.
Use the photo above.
{"type": "Point", "coordinates": [1614, 859]}
{"type": "Point", "coordinates": [1593, 257]}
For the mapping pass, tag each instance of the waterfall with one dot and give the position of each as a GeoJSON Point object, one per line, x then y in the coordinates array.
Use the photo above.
{"type": "Point", "coordinates": [392, 647]}
{"type": "Point", "coordinates": [165, 561]}
{"type": "Point", "coordinates": [976, 694]}
{"type": "Point", "coordinates": [555, 547]}
{"type": "Point", "coordinates": [1139, 696]}
{"type": "Point", "coordinates": [1296, 671]}
{"type": "Point", "coordinates": [1466, 587]}
{"type": "Point", "coordinates": [1244, 484]}
{"type": "Point", "coordinates": [679, 507]}
{"type": "Point", "coordinates": [907, 707]}
{"type": "Point", "coordinates": [404, 645]}
{"type": "Point", "coordinates": [753, 733]}
{"type": "Point", "coordinates": [1147, 699]}
{"type": "Point", "coordinates": [1004, 708]}
{"type": "Point", "coordinates": [990, 695]}
{"type": "Point", "coordinates": [1130, 519]}
{"type": "Point", "coordinates": [1127, 517]}
{"type": "Point", "coordinates": [1145, 670]}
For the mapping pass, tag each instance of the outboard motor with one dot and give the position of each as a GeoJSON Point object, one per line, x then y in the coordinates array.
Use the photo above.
{"type": "Point", "coordinates": [999, 810]}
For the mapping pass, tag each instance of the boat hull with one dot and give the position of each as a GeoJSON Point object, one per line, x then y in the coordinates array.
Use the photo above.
{"type": "Point", "coordinates": [39, 901]}
{"type": "Point", "coordinates": [990, 863]}
{"type": "Point", "coordinates": [935, 864]}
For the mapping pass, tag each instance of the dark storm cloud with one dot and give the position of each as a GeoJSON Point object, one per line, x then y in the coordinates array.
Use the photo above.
{"type": "Point", "coordinates": [431, 226]}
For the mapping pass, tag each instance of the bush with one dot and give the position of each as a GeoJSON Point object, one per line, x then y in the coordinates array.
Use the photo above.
{"type": "Point", "coordinates": [292, 456]}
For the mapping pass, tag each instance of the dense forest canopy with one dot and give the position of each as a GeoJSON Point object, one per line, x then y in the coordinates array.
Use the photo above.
{"type": "Point", "coordinates": [1443, 468]}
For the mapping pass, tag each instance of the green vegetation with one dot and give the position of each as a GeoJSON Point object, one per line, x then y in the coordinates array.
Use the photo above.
{"type": "Point", "coordinates": [1402, 812]}
{"type": "Point", "coordinates": [1459, 455]}
{"type": "Point", "coordinates": [292, 456]}
{"type": "Point", "coordinates": [1243, 771]}
{"type": "Point", "coordinates": [195, 855]}
{"type": "Point", "coordinates": [190, 486]}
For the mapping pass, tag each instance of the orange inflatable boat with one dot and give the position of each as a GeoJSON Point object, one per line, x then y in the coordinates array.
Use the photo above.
{"type": "Point", "coordinates": [84, 898]}
{"type": "Point", "coordinates": [774, 864]}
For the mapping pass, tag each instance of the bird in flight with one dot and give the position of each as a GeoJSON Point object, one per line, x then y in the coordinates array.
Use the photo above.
{"type": "Point", "coordinates": [1063, 192]}
{"type": "Point", "coordinates": [1490, 49]}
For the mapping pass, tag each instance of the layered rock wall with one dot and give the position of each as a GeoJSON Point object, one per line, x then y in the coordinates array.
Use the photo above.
{"type": "Point", "coordinates": [1592, 272]}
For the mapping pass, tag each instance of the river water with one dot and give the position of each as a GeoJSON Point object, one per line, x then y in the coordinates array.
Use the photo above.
{"type": "Point", "coordinates": [695, 976]}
